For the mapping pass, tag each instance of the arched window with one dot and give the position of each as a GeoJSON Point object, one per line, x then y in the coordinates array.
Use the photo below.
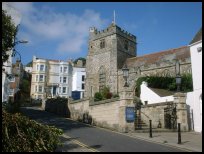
{"type": "Point", "coordinates": [102, 78]}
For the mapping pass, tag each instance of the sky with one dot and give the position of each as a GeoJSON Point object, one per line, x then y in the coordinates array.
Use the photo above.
{"type": "Point", "coordinates": [60, 30]}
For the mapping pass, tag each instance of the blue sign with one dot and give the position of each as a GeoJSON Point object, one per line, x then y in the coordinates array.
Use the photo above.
{"type": "Point", "coordinates": [130, 114]}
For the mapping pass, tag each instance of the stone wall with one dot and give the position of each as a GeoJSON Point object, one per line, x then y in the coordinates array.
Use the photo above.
{"type": "Point", "coordinates": [77, 108]}
{"type": "Point", "coordinates": [107, 113]}
{"type": "Point", "coordinates": [154, 112]}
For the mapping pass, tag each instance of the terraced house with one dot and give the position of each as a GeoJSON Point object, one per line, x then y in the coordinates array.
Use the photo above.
{"type": "Point", "coordinates": [51, 78]}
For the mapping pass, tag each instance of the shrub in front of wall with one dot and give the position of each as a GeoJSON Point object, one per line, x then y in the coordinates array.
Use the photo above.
{"type": "Point", "coordinates": [58, 106]}
{"type": "Point", "coordinates": [98, 96]}
{"type": "Point", "coordinates": [19, 134]}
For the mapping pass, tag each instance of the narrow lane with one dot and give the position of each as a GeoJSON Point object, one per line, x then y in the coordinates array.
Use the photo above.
{"type": "Point", "coordinates": [96, 138]}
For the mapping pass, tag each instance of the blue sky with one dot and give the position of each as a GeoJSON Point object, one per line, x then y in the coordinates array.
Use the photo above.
{"type": "Point", "coordinates": [59, 30]}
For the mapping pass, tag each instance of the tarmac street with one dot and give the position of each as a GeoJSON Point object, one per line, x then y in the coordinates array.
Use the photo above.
{"type": "Point", "coordinates": [79, 137]}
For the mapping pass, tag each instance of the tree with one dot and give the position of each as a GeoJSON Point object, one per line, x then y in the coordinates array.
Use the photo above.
{"type": "Point", "coordinates": [30, 64]}
{"type": "Point", "coordinates": [81, 58]}
{"type": "Point", "coordinates": [9, 31]}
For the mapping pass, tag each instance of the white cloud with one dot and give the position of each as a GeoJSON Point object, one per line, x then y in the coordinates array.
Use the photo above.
{"type": "Point", "coordinates": [71, 30]}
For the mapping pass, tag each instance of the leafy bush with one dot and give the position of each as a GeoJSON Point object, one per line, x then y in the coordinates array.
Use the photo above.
{"type": "Point", "coordinates": [58, 106]}
{"type": "Point", "coordinates": [105, 91]}
{"type": "Point", "coordinates": [98, 96]}
{"type": "Point", "coordinates": [19, 134]}
{"type": "Point", "coordinates": [168, 83]}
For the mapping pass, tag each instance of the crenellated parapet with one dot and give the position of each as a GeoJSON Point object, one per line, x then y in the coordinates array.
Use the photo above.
{"type": "Point", "coordinates": [112, 29]}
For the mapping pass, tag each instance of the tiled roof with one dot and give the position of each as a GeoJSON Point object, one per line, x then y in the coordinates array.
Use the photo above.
{"type": "Point", "coordinates": [178, 53]}
{"type": "Point", "coordinates": [197, 37]}
{"type": "Point", "coordinates": [162, 92]}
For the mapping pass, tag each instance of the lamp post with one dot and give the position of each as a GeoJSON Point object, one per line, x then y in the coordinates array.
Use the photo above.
{"type": "Point", "coordinates": [178, 82]}
{"type": "Point", "coordinates": [178, 76]}
{"type": "Point", "coordinates": [15, 51]}
{"type": "Point", "coordinates": [125, 74]}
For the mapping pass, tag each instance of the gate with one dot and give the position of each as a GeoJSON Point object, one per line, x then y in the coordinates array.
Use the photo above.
{"type": "Point", "coordinates": [170, 118]}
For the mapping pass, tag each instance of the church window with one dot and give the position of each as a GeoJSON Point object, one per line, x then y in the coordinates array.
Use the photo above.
{"type": "Point", "coordinates": [126, 45]}
{"type": "Point", "coordinates": [102, 43]}
{"type": "Point", "coordinates": [102, 78]}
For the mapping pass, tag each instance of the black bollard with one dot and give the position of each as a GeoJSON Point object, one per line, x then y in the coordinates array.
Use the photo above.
{"type": "Point", "coordinates": [150, 128]}
{"type": "Point", "coordinates": [179, 133]}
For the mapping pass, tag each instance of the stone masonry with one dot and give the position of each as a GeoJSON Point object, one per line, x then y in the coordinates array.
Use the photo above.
{"type": "Point", "coordinates": [108, 49]}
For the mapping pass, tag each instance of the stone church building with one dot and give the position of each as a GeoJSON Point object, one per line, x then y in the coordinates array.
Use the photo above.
{"type": "Point", "coordinates": [112, 48]}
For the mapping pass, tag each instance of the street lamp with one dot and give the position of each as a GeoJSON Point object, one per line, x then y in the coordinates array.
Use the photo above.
{"type": "Point", "coordinates": [125, 74]}
{"type": "Point", "coordinates": [178, 81]}
{"type": "Point", "coordinates": [178, 76]}
{"type": "Point", "coordinates": [15, 51]}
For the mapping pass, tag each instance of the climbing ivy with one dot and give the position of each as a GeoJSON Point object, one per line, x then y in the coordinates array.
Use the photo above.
{"type": "Point", "coordinates": [168, 83]}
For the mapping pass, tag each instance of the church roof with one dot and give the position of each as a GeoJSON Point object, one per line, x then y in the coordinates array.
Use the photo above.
{"type": "Point", "coordinates": [181, 54]}
{"type": "Point", "coordinates": [197, 37]}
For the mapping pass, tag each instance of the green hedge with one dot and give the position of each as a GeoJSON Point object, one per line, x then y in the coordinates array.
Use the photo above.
{"type": "Point", "coordinates": [58, 106]}
{"type": "Point", "coordinates": [19, 134]}
{"type": "Point", "coordinates": [168, 83]}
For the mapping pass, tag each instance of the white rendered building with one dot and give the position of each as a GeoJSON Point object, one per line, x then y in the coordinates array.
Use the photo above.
{"type": "Point", "coordinates": [78, 80]}
{"type": "Point", "coordinates": [195, 102]}
{"type": "Point", "coordinates": [51, 78]}
{"type": "Point", "coordinates": [16, 18]}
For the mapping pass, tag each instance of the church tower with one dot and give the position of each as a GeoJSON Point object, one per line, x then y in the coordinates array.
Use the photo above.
{"type": "Point", "coordinates": [108, 49]}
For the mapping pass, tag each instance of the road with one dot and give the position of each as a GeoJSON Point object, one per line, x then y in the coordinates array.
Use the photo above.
{"type": "Point", "coordinates": [97, 139]}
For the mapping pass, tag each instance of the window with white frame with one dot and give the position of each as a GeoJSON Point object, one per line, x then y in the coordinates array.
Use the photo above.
{"type": "Point", "coordinates": [42, 67]}
{"type": "Point", "coordinates": [36, 88]}
{"type": "Point", "coordinates": [61, 69]}
{"type": "Point", "coordinates": [36, 78]}
{"type": "Point", "coordinates": [82, 86]}
{"type": "Point", "coordinates": [40, 88]}
{"type": "Point", "coordinates": [37, 67]}
{"type": "Point", "coordinates": [60, 90]}
{"type": "Point", "coordinates": [41, 78]}
{"type": "Point", "coordinates": [64, 79]}
{"type": "Point", "coordinates": [65, 69]}
{"type": "Point", "coordinates": [60, 79]}
{"type": "Point", "coordinates": [64, 90]}
{"type": "Point", "coordinates": [83, 77]}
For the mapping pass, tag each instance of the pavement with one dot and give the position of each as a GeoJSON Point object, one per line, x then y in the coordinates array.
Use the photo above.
{"type": "Point", "coordinates": [190, 141]}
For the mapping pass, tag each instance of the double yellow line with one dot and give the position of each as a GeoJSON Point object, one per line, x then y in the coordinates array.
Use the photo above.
{"type": "Point", "coordinates": [80, 144]}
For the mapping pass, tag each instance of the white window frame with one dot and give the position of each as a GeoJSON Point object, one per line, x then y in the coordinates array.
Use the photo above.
{"type": "Point", "coordinates": [37, 78]}
{"type": "Point", "coordinates": [40, 91]}
{"type": "Point", "coordinates": [63, 90]}
{"type": "Point", "coordinates": [65, 70]}
{"type": "Point", "coordinates": [60, 79]}
{"type": "Point", "coordinates": [82, 86]}
{"type": "Point", "coordinates": [37, 67]}
{"type": "Point", "coordinates": [60, 69]}
{"type": "Point", "coordinates": [43, 67]}
{"type": "Point", "coordinates": [41, 78]}
{"type": "Point", "coordinates": [36, 88]}
{"type": "Point", "coordinates": [60, 90]}
{"type": "Point", "coordinates": [65, 80]}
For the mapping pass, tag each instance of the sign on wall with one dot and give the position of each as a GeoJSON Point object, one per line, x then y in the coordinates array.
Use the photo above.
{"type": "Point", "coordinates": [130, 114]}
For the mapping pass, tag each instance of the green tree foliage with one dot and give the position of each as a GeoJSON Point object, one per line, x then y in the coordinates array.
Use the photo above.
{"type": "Point", "coordinates": [168, 83]}
{"type": "Point", "coordinates": [19, 134]}
{"type": "Point", "coordinates": [30, 64]}
{"type": "Point", "coordinates": [9, 32]}
{"type": "Point", "coordinates": [80, 58]}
